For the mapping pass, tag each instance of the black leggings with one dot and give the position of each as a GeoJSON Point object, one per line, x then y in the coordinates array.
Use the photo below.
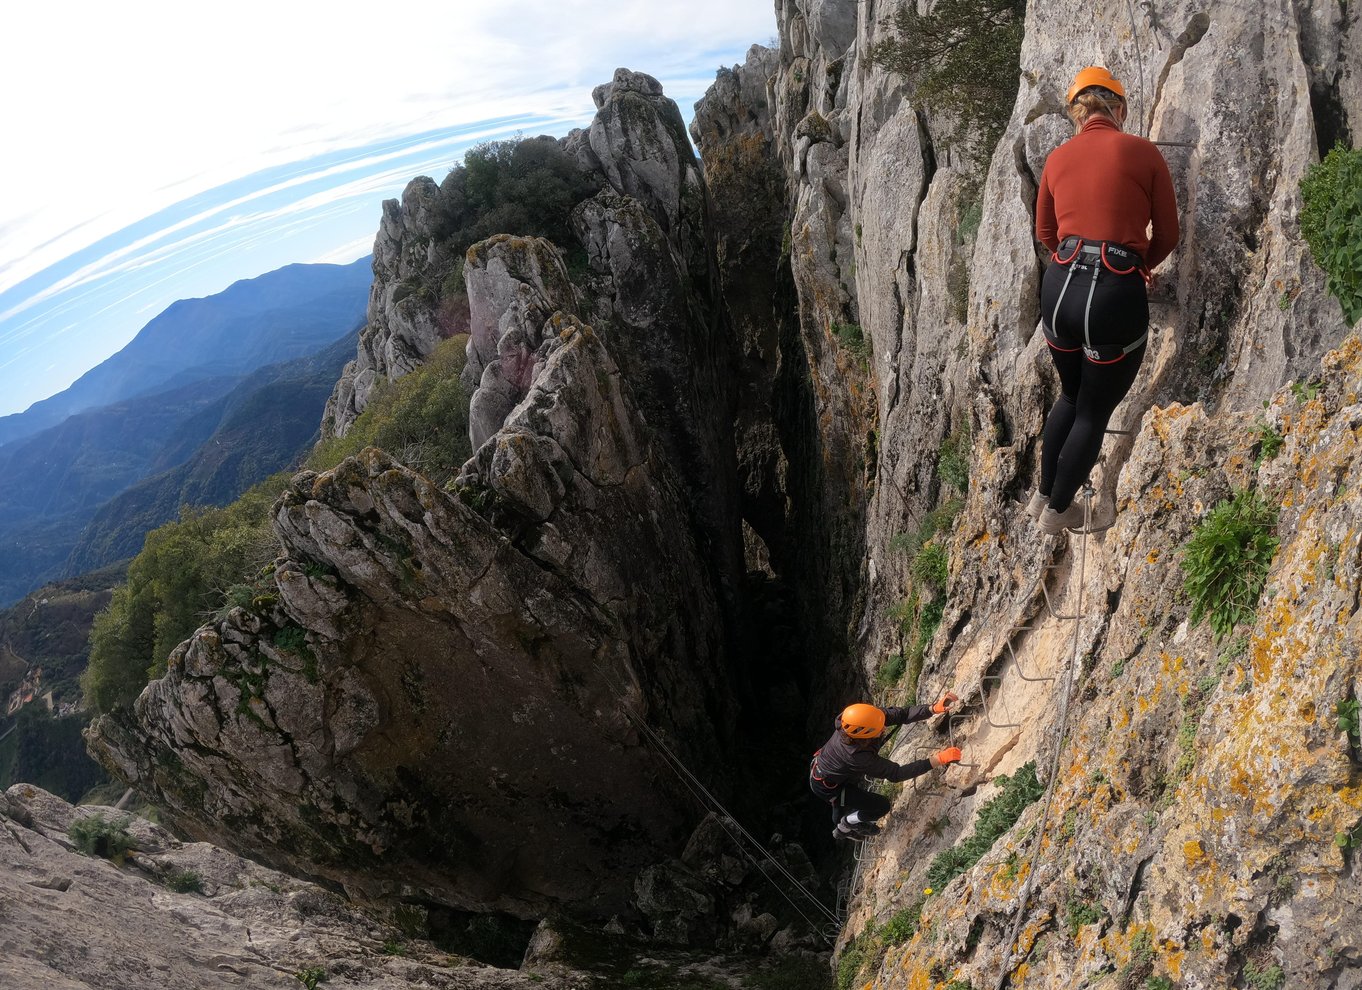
{"type": "Point", "coordinates": [847, 798]}
{"type": "Point", "coordinates": [1091, 390]}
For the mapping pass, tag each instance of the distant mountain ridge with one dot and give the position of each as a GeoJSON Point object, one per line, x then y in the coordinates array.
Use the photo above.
{"type": "Point", "coordinates": [209, 431]}
{"type": "Point", "coordinates": [284, 314]}
{"type": "Point", "coordinates": [262, 426]}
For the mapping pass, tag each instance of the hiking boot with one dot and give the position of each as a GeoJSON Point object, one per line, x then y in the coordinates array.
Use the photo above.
{"type": "Point", "coordinates": [1052, 522]}
{"type": "Point", "coordinates": [841, 833]}
{"type": "Point", "coordinates": [1036, 505]}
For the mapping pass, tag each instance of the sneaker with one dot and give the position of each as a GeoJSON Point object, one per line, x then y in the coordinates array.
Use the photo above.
{"type": "Point", "coordinates": [866, 829]}
{"type": "Point", "coordinates": [1036, 505]}
{"type": "Point", "coordinates": [841, 833]}
{"type": "Point", "coordinates": [1051, 522]}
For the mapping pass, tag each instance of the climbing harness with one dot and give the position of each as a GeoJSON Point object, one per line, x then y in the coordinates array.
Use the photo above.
{"type": "Point", "coordinates": [1094, 256]}
{"type": "Point", "coordinates": [1007, 961]}
{"type": "Point", "coordinates": [731, 825]}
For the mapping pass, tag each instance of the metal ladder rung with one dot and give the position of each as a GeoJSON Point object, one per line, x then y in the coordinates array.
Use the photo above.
{"type": "Point", "coordinates": [950, 734]}
{"type": "Point", "coordinates": [1020, 671]}
{"type": "Point", "coordinates": [1049, 606]}
{"type": "Point", "coordinates": [988, 714]}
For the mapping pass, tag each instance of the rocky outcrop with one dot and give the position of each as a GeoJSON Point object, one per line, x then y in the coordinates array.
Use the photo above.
{"type": "Point", "coordinates": [442, 714]}
{"type": "Point", "coordinates": [514, 285]}
{"type": "Point", "coordinates": [401, 322]}
{"type": "Point", "coordinates": [186, 915]}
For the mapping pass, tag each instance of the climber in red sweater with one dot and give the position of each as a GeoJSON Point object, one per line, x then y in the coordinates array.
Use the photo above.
{"type": "Point", "coordinates": [1099, 193]}
{"type": "Point", "coordinates": [842, 765]}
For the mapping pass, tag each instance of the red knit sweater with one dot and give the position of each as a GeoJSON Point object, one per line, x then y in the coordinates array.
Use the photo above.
{"type": "Point", "coordinates": [1102, 184]}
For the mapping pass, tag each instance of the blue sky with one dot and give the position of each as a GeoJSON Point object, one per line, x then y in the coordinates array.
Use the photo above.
{"type": "Point", "coordinates": [158, 151]}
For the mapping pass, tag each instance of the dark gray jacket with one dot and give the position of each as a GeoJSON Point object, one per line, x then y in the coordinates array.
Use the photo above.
{"type": "Point", "coordinates": [842, 761]}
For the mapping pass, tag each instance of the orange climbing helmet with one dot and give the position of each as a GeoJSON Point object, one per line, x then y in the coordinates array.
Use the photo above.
{"type": "Point", "coordinates": [1094, 75]}
{"type": "Point", "coordinates": [861, 721]}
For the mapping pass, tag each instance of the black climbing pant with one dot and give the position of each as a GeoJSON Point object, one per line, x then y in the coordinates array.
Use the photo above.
{"type": "Point", "coordinates": [846, 798]}
{"type": "Point", "coordinates": [1087, 306]}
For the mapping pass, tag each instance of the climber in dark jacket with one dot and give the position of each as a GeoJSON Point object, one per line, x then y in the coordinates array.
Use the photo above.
{"type": "Point", "coordinates": [841, 766]}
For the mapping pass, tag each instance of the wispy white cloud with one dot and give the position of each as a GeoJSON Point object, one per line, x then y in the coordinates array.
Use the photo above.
{"type": "Point", "coordinates": [147, 107]}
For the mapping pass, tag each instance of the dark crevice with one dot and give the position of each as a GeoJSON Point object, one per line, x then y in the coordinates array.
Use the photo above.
{"type": "Point", "coordinates": [1330, 117]}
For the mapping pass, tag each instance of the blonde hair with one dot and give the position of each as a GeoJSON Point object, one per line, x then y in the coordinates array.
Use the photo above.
{"type": "Point", "coordinates": [1095, 99]}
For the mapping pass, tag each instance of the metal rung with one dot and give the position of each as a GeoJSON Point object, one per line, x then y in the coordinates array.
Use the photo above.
{"type": "Point", "coordinates": [1174, 144]}
{"type": "Point", "coordinates": [983, 693]}
{"type": "Point", "coordinates": [950, 734]}
{"type": "Point", "coordinates": [1117, 433]}
{"type": "Point", "coordinates": [1049, 606]}
{"type": "Point", "coordinates": [1020, 672]}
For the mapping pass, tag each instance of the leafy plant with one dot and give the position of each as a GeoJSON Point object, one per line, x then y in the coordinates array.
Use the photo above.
{"type": "Point", "coordinates": [1270, 441]}
{"type": "Point", "coordinates": [1347, 713]}
{"type": "Point", "coordinates": [1305, 389]}
{"type": "Point", "coordinates": [421, 419]}
{"type": "Point", "coordinates": [952, 462]}
{"type": "Point", "coordinates": [931, 566]}
{"type": "Point", "coordinates": [1079, 914]}
{"type": "Point", "coordinates": [891, 670]}
{"type": "Point", "coordinates": [310, 977]}
{"type": "Point", "coordinates": [1331, 223]}
{"type": "Point", "coordinates": [939, 520]}
{"type": "Point", "coordinates": [1226, 561]}
{"type": "Point", "coordinates": [1270, 978]}
{"type": "Point", "coordinates": [1158, 983]}
{"type": "Point", "coordinates": [996, 817]}
{"type": "Point", "coordinates": [962, 56]}
{"type": "Point", "coordinates": [852, 338]}
{"type": "Point", "coordinates": [96, 835]}
{"type": "Point", "coordinates": [184, 881]}
{"type": "Point", "coordinates": [903, 925]}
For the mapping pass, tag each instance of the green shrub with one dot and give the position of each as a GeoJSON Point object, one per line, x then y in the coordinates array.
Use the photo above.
{"type": "Point", "coordinates": [891, 670]}
{"type": "Point", "coordinates": [939, 520]}
{"type": "Point", "coordinates": [522, 187]}
{"type": "Point", "coordinates": [1270, 978]}
{"type": "Point", "coordinates": [1079, 914]}
{"type": "Point", "coordinates": [310, 977]}
{"type": "Point", "coordinates": [903, 925]}
{"type": "Point", "coordinates": [421, 419]}
{"type": "Point", "coordinates": [931, 566]}
{"type": "Point", "coordinates": [857, 955]}
{"type": "Point", "coordinates": [1270, 441]}
{"type": "Point", "coordinates": [184, 881]}
{"type": "Point", "coordinates": [1227, 559]}
{"type": "Point", "coordinates": [952, 463]}
{"type": "Point", "coordinates": [1158, 983]}
{"type": "Point", "coordinates": [995, 818]}
{"type": "Point", "coordinates": [95, 835]}
{"type": "Point", "coordinates": [1331, 223]}
{"type": "Point", "coordinates": [852, 338]}
{"type": "Point", "coordinates": [963, 57]}
{"type": "Point", "coordinates": [174, 585]}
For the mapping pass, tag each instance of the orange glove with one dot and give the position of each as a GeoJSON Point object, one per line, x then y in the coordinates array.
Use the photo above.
{"type": "Point", "coordinates": [945, 757]}
{"type": "Point", "coordinates": [947, 699]}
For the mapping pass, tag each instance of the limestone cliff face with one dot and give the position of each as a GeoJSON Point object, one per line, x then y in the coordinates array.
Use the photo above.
{"type": "Point", "coordinates": [1201, 785]}
{"type": "Point", "coordinates": [434, 702]}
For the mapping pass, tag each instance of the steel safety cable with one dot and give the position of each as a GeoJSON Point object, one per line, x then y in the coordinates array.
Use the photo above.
{"type": "Point", "coordinates": [710, 802]}
{"type": "Point", "coordinates": [1064, 710]}
{"type": "Point", "coordinates": [1139, 61]}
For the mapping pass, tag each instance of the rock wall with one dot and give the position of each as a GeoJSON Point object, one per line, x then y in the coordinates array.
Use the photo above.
{"type": "Point", "coordinates": [438, 696]}
{"type": "Point", "coordinates": [1201, 783]}
{"type": "Point", "coordinates": [89, 922]}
